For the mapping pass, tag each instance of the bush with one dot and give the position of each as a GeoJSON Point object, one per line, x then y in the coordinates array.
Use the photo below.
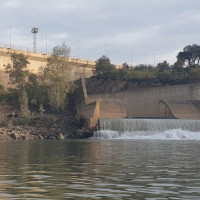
{"type": "Point", "coordinates": [8, 123]}
{"type": "Point", "coordinates": [22, 121]}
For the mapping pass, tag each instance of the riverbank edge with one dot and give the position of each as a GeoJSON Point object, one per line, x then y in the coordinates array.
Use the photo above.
{"type": "Point", "coordinates": [31, 133]}
{"type": "Point", "coordinates": [47, 127]}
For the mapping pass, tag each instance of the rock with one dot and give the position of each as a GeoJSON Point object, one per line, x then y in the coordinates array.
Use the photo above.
{"type": "Point", "coordinates": [61, 136]}
{"type": "Point", "coordinates": [58, 130]}
{"type": "Point", "coordinates": [23, 137]}
{"type": "Point", "coordinates": [52, 130]}
{"type": "Point", "coordinates": [48, 127]}
{"type": "Point", "coordinates": [83, 133]}
{"type": "Point", "coordinates": [14, 136]}
{"type": "Point", "coordinates": [55, 125]}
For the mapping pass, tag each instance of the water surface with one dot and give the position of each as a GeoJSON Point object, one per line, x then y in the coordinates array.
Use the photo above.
{"type": "Point", "coordinates": [100, 169]}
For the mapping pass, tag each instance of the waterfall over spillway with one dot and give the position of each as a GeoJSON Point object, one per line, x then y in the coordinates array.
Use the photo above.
{"type": "Point", "coordinates": [123, 125]}
{"type": "Point", "coordinates": [149, 129]}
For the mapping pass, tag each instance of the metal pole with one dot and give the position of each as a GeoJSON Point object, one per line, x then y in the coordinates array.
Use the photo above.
{"type": "Point", "coordinates": [78, 49]}
{"type": "Point", "coordinates": [154, 59]}
{"type": "Point", "coordinates": [46, 42]}
{"type": "Point", "coordinates": [34, 43]}
{"type": "Point", "coordinates": [131, 56]}
{"type": "Point", "coordinates": [34, 31]}
{"type": "Point", "coordinates": [106, 50]}
{"type": "Point", "coordinates": [10, 37]}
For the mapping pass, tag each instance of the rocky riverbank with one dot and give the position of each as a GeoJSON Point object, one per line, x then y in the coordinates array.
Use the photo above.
{"type": "Point", "coordinates": [47, 127]}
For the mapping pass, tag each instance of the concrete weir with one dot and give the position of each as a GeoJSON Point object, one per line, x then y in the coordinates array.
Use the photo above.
{"type": "Point", "coordinates": [92, 109]}
{"type": "Point", "coordinates": [149, 125]}
{"type": "Point", "coordinates": [173, 102]}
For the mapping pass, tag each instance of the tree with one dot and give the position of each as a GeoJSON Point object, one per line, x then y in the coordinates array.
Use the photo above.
{"type": "Point", "coordinates": [178, 66]}
{"type": "Point", "coordinates": [17, 71]}
{"type": "Point", "coordinates": [164, 66]}
{"type": "Point", "coordinates": [144, 68]}
{"type": "Point", "coordinates": [103, 66]}
{"type": "Point", "coordinates": [37, 93]}
{"type": "Point", "coordinates": [194, 74]}
{"type": "Point", "coordinates": [57, 78]}
{"type": "Point", "coordinates": [61, 51]}
{"type": "Point", "coordinates": [190, 55]}
{"type": "Point", "coordinates": [18, 74]}
{"type": "Point", "coordinates": [24, 110]}
{"type": "Point", "coordinates": [125, 65]}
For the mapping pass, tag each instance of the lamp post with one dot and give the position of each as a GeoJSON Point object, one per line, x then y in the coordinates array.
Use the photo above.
{"type": "Point", "coordinates": [10, 36]}
{"type": "Point", "coordinates": [131, 56]}
{"type": "Point", "coordinates": [154, 59]}
{"type": "Point", "coordinates": [46, 42]}
{"type": "Point", "coordinates": [34, 30]}
{"type": "Point", "coordinates": [78, 49]}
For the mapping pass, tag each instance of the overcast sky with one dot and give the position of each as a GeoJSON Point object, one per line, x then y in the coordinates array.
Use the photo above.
{"type": "Point", "coordinates": [120, 28]}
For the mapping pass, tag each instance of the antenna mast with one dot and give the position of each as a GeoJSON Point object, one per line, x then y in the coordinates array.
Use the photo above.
{"type": "Point", "coordinates": [34, 31]}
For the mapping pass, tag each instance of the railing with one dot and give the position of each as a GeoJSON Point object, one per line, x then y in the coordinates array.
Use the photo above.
{"type": "Point", "coordinates": [21, 48]}
{"type": "Point", "coordinates": [44, 52]}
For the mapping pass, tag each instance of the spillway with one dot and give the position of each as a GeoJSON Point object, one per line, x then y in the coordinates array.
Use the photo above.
{"type": "Point", "coordinates": [148, 129]}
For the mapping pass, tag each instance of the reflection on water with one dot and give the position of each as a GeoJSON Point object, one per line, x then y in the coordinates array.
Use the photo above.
{"type": "Point", "coordinates": [100, 169]}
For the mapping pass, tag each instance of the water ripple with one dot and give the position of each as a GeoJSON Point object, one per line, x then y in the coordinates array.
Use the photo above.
{"type": "Point", "coordinates": [100, 170]}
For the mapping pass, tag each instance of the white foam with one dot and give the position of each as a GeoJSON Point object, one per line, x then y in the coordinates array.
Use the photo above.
{"type": "Point", "coordinates": [173, 134]}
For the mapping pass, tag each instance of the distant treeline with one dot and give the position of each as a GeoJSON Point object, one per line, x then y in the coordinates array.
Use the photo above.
{"type": "Point", "coordinates": [185, 70]}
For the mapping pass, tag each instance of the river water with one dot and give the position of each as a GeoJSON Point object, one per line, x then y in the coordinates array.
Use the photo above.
{"type": "Point", "coordinates": [100, 169]}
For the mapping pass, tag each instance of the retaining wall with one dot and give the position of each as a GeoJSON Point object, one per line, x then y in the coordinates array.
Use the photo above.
{"type": "Point", "coordinates": [144, 102]}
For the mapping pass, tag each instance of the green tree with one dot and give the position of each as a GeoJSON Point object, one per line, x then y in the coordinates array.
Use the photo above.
{"type": "Point", "coordinates": [178, 66]}
{"type": "Point", "coordinates": [1, 92]}
{"type": "Point", "coordinates": [57, 78]}
{"type": "Point", "coordinates": [18, 74]}
{"type": "Point", "coordinates": [190, 55]}
{"type": "Point", "coordinates": [24, 110]}
{"type": "Point", "coordinates": [61, 51]}
{"type": "Point", "coordinates": [125, 65]}
{"type": "Point", "coordinates": [37, 93]}
{"type": "Point", "coordinates": [194, 74]}
{"type": "Point", "coordinates": [17, 71]}
{"type": "Point", "coordinates": [103, 66]}
{"type": "Point", "coordinates": [164, 66]}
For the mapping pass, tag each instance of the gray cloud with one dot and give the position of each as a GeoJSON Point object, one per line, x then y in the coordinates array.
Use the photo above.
{"type": "Point", "coordinates": [147, 27]}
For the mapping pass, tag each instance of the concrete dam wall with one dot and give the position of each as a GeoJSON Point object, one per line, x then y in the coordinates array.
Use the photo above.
{"type": "Point", "coordinates": [175, 101]}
